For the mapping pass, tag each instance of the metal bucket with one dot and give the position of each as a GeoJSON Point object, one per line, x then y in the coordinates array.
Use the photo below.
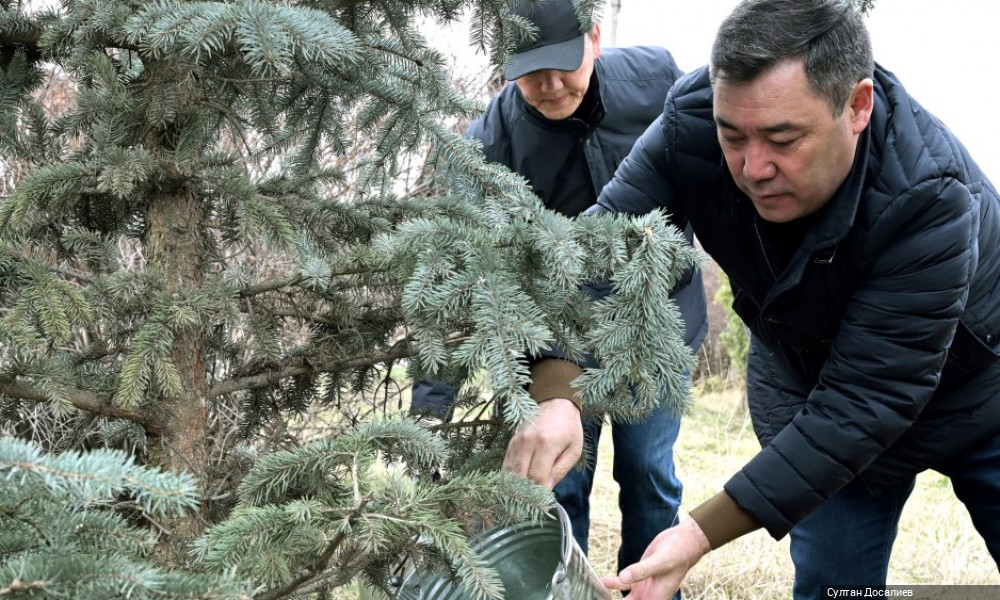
{"type": "Point", "coordinates": [540, 561]}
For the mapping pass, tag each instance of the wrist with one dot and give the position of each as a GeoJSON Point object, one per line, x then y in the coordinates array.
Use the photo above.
{"type": "Point", "coordinates": [697, 536]}
{"type": "Point", "coordinates": [559, 400]}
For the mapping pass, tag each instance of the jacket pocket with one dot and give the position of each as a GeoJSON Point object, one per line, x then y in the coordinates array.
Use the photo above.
{"type": "Point", "coordinates": [967, 356]}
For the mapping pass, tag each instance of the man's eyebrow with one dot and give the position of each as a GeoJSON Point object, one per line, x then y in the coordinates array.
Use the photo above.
{"type": "Point", "coordinates": [720, 122]}
{"type": "Point", "coordinates": [776, 128]}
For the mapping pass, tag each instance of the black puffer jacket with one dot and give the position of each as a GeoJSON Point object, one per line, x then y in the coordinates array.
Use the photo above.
{"type": "Point", "coordinates": [632, 84]}
{"type": "Point", "coordinates": [873, 351]}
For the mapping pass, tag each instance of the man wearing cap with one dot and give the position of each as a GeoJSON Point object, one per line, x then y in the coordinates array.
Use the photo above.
{"type": "Point", "coordinates": [570, 115]}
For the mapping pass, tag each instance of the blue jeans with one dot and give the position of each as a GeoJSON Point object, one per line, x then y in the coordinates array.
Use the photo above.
{"type": "Point", "coordinates": [433, 398]}
{"type": "Point", "coordinates": [644, 469]}
{"type": "Point", "coordinates": [848, 539]}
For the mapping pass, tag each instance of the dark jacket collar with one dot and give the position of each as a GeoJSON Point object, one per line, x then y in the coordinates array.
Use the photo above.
{"type": "Point", "coordinates": [843, 207]}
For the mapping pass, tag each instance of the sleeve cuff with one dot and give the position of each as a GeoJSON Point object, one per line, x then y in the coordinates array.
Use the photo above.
{"type": "Point", "coordinates": [552, 377]}
{"type": "Point", "coordinates": [723, 520]}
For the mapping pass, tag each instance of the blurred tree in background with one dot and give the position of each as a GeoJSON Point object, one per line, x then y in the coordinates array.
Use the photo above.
{"type": "Point", "coordinates": [230, 233]}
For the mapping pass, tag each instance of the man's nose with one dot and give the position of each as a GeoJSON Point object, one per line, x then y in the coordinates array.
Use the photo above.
{"type": "Point", "coordinates": [550, 80]}
{"type": "Point", "coordinates": [757, 162]}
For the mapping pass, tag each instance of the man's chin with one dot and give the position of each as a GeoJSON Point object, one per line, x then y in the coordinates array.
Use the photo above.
{"type": "Point", "coordinates": [556, 114]}
{"type": "Point", "coordinates": [775, 209]}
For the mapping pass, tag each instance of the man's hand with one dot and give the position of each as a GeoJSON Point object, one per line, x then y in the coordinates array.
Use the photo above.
{"type": "Point", "coordinates": [545, 449]}
{"type": "Point", "coordinates": [664, 563]}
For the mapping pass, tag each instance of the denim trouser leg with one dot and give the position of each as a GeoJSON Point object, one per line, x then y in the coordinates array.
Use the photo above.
{"type": "Point", "coordinates": [975, 477]}
{"type": "Point", "coordinates": [573, 491]}
{"type": "Point", "coordinates": [433, 398]}
{"type": "Point", "coordinates": [847, 540]}
{"type": "Point", "coordinates": [650, 492]}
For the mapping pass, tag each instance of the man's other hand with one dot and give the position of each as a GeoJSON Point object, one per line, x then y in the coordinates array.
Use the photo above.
{"type": "Point", "coordinates": [545, 449]}
{"type": "Point", "coordinates": [664, 564]}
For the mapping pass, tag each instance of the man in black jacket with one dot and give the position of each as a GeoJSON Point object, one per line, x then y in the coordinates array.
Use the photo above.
{"type": "Point", "coordinates": [863, 247]}
{"type": "Point", "coordinates": [570, 115]}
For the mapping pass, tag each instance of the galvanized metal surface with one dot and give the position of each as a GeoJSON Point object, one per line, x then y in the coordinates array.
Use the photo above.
{"type": "Point", "coordinates": [538, 561]}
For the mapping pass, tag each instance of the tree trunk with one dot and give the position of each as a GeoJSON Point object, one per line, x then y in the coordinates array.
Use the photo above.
{"type": "Point", "coordinates": [174, 254]}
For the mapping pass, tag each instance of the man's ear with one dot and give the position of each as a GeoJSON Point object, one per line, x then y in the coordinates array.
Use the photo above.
{"type": "Point", "coordinates": [595, 39]}
{"type": "Point", "coordinates": [860, 104]}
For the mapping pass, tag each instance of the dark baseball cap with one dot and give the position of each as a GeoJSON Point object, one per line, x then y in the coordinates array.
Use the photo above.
{"type": "Point", "coordinates": [558, 44]}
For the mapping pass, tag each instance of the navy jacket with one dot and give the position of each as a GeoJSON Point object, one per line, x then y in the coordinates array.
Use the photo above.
{"type": "Point", "coordinates": [874, 350]}
{"type": "Point", "coordinates": [632, 83]}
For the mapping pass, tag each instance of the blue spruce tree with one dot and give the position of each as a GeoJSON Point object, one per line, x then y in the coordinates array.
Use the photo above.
{"type": "Point", "coordinates": [213, 263]}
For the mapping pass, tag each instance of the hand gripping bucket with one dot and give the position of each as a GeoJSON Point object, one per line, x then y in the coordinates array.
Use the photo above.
{"type": "Point", "coordinates": [539, 561]}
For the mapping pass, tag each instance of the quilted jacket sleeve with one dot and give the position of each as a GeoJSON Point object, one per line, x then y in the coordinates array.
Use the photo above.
{"type": "Point", "coordinates": [641, 183]}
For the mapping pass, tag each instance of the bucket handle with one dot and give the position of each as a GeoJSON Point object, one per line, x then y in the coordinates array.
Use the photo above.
{"type": "Point", "coordinates": [567, 548]}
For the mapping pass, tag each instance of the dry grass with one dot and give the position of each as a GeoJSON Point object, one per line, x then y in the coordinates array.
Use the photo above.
{"type": "Point", "coordinates": [936, 545]}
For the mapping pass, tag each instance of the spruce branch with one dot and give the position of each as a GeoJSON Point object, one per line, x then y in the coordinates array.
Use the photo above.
{"type": "Point", "coordinates": [31, 40]}
{"type": "Point", "coordinates": [321, 563]}
{"type": "Point", "coordinates": [26, 255]}
{"type": "Point", "coordinates": [27, 38]}
{"type": "Point", "coordinates": [366, 321]}
{"type": "Point", "coordinates": [265, 380]}
{"type": "Point", "coordinates": [83, 400]}
{"type": "Point", "coordinates": [291, 281]}
{"type": "Point", "coordinates": [22, 586]}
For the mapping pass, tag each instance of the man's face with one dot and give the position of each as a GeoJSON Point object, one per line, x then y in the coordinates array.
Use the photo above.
{"type": "Point", "coordinates": [557, 94]}
{"type": "Point", "coordinates": [783, 146]}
